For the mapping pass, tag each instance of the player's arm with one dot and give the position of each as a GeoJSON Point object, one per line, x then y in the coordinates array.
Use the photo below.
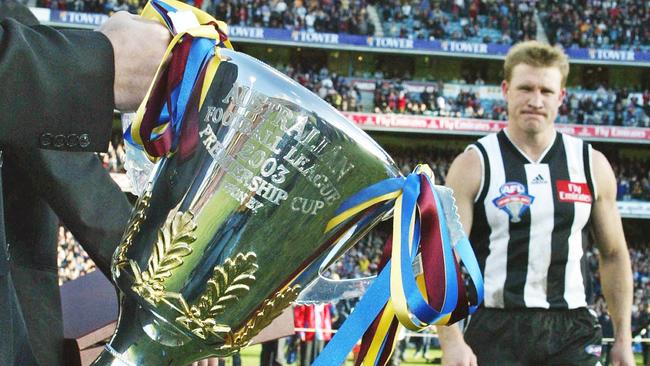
{"type": "Point", "coordinates": [615, 267]}
{"type": "Point", "coordinates": [464, 177]}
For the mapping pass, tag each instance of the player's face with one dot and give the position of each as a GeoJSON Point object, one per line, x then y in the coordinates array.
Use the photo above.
{"type": "Point", "coordinates": [534, 95]}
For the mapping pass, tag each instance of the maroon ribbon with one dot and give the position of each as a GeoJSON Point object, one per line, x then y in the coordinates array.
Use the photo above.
{"type": "Point", "coordinates": [168, 81]}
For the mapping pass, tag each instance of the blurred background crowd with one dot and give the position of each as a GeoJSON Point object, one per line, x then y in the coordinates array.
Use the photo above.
{"type": "Point", "coordinates": [601, 106]}
{"type": "Point", "coordinates": [574, 23]}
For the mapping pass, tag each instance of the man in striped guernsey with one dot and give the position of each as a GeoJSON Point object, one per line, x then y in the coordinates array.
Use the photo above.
{"type": "Point", "coordinates": [526, 196]}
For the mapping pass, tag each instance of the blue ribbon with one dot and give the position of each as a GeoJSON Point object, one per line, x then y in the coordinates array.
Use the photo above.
{"type": "Point", "coordinates": [356, 324]}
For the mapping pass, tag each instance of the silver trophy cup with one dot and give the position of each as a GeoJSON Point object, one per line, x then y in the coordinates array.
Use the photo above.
{"type": "Point", "coordinates": [231, 229]}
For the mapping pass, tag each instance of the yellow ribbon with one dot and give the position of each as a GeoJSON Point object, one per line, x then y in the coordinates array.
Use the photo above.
{"type": "Point", "coordinates": [378, 339]}
{"type": "Point", "coordinates": [356, 209]}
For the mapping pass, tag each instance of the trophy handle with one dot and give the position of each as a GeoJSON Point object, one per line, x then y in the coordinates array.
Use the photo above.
{"type": "Point", "coordinates": [323, 289]}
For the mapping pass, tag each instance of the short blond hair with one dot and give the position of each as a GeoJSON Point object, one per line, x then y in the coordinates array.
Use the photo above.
{"type": "Point", "coordinates": [536, 54]}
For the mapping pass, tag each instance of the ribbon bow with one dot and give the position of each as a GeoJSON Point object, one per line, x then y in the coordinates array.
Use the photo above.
{"type": "Point", "coordinates": [398, 297]}
{"type": "Point", "coordinates": [167, 119]}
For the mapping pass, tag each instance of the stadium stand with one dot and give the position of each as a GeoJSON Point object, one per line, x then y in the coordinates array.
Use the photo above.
{"type": "Point", "coordinates": [73, 260]}
{"type": "Point", "coordinates": [314, 16]}
{"type": "Point", "coordinates": [587, 24]}
{"type": "Point", "coordinates": [473, 21]}
{"type": "Point", "coordinates": [597, 24]}
{"type": "Point", "coordinates": [602, 106]}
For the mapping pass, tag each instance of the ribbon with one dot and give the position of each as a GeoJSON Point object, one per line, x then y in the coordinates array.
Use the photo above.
{"type": "Point", "coordinates": [398, 298]}
{"type": "Point", "coordinates": [167, 119]}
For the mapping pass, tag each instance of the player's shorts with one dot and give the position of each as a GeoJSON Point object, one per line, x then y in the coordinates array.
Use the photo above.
{"type": "Point", "coordinates": [534, 337]}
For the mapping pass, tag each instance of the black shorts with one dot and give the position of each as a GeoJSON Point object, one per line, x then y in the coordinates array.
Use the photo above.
{"type": "Point", "coordinates": [534, 337]}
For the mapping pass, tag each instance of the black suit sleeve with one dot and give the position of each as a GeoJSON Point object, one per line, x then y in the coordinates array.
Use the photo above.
{"type": "Point", "coordinates": [81, 193]}
{"type": "Point", "coordinates": [57, 88]}
{"type": "Point", "coordinates": [90, 204]}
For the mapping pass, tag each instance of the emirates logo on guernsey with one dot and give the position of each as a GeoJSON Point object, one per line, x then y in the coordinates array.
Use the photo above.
{"type": "Point", "coordinates": [568, 191]}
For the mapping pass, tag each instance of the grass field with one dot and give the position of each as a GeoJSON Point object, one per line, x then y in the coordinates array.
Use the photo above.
{"type": "Point", "coordinates": [250, 357]}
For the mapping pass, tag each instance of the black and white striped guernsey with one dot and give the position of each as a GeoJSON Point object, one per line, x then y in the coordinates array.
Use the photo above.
{"type": "Point", "coordinates": [530, 222]}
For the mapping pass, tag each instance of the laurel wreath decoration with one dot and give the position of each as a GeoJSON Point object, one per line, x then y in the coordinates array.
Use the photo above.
{"type": "Point", "coordinates": [172, 246]}
{"type": "Point", "coordinates": [271, 309]}
{"type": "Point", "coordinates": [228, 284]}
{"type": "Point", "coordinates": [137, 218]}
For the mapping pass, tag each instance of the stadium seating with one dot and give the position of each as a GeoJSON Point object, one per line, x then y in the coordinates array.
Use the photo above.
{"type": "Point", "coordinates": [573, 23]}
{"type": "Point", "coordinates": [597, 24]}
{"type": "Point", "coordinates": [473, 21]}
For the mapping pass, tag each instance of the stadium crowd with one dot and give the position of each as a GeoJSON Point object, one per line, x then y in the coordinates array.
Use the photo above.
{"type": "Point", "coordinates": [312, 16]}
{"type": "Point", "coordinates": [633, 178]}
{"type": "Point", "coordinates": [608, 24]}
{"type": "Point", "coordinates": [499, 21]}
{"type": "Point", "coordinates": [114, 158]}
{"type": "Point", "coordinates": [597, 24]}
{"type": "Point", "coordinates": [392, 97]}
{"type": "Point", "coordinates": [602, 106]}
{"type": "Point", "coordinates": [640, 258]}
{"type": "Point", "coordinates": [573, 23]}
{"type": "Point", "coordinates": [614, 106]}
{"type": "Point", "coordinates": [73, 261]}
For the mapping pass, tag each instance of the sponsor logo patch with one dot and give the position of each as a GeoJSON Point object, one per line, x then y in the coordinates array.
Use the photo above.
{"type": "Point", "coordinates": [568, 191]}
{"type": "Point", "coordinates": [514, 200]}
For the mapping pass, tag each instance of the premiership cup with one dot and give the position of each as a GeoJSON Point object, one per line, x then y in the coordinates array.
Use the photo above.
{"type": "Point", "coordinates": [231, 228]}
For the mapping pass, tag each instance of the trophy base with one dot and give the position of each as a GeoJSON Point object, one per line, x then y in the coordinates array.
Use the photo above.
{"type": "Point", "coordinates": [142, 339]}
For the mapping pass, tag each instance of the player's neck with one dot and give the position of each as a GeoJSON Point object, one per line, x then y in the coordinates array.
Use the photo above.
{"type": "Point", "coordinates": [532, 144]}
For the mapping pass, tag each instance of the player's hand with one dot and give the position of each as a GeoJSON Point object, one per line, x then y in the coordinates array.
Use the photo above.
{"type": "Point", "coordinates": [138, 47]}
{"type": "Point", "coordinates": [458, 354]}
{"type": "Point", "coordinates": [621, 354]}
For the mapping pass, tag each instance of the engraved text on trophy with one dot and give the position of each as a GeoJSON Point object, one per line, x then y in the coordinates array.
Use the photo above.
{"type": "Point", "coordinates": [276, 142]}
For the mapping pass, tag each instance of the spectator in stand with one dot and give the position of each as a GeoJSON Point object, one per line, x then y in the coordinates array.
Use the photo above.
{"type": "Point", "coordinates": [632, 177]}
{"type": "Point", "coordinates": [73, 261]}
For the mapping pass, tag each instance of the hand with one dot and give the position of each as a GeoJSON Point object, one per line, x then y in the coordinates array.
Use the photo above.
{"type": "Point", "coordinates": [138, 47]}
{"type": "Point", "coordinates": [458, 354]}
{"type": "Point", "coordinates": [621, 354]}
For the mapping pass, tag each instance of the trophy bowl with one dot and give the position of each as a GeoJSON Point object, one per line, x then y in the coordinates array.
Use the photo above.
{"type": "Point", "coordinates": [230, 230]}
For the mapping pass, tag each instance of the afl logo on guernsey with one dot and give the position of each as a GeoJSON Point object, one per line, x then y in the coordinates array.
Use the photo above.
{"type": "Point", "coordinates": [514, 200]}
